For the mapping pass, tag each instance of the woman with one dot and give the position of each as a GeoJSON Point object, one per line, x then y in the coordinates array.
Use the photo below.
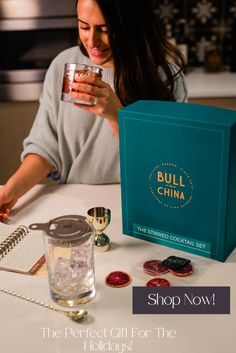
{"type": "Point", "coordinates": [76, 143]}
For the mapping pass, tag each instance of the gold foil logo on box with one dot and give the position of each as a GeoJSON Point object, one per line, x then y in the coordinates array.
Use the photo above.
{"type": "Point", "coordinates": [171, 185]}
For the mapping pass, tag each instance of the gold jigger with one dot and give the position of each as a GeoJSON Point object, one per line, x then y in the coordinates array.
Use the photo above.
{"type": "Point", "coordinates": [99, 218]}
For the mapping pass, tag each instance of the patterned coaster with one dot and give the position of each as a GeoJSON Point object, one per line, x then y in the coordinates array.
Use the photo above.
{"type": "Point", "coordinates": [158, 282]}
{"type": "Point", "coordinates": [154, 267]}
{"type": "Point", "coordinates": [185, 271]}
{"type": "Point", "coordinates": [117, 279]}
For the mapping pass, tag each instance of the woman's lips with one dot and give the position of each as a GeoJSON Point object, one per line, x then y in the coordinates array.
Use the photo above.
{"type": "Point", "coordinates": [97, 52]}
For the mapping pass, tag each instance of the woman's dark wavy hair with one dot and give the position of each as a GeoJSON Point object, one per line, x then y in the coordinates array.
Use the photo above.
{"type": "Point", "coordinates": [139, 48]}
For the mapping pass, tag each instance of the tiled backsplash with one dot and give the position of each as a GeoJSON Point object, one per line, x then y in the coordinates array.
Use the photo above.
{"type": "Point", "coordinates": [205, 18]}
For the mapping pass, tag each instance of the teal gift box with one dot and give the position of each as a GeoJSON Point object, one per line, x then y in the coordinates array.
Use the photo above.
{"type": "Point", "coordinates": [178, 176]}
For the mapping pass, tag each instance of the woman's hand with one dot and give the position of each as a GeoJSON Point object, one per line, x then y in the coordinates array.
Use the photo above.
{"type": "Point", "coordinates": [7, 201]}
{"type": "Point", "coordinates": [31, 171]}
{"type": "Point", "coordinates": [88, 88]}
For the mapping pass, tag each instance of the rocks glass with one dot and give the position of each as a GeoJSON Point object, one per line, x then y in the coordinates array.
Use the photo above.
{"type": "Point", "coordinates": [70, 72]}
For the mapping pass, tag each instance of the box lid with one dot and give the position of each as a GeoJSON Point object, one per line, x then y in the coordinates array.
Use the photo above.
{"type": "Point", "coordinates": [185, 111]}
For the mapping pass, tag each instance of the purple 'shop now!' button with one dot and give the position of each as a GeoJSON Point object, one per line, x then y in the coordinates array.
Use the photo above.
{"type": "Point", "coordinates": [181, 300]}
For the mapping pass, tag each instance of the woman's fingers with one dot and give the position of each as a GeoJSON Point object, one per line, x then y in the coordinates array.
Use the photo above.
{"type": "Point", "coordinates": [91, 80]}
{"type": "Point", "coordinates": [85, 88]}
{"type": "Point", "coordinates": [88, 98]}
{"type": "Point", "coordinates": [4, 214]}
{"type": "Point", "coordinates": [89, 89]}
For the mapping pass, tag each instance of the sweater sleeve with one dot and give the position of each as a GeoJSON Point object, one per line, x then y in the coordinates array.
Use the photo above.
{"type": "Point", "coordinates": [43, 137]}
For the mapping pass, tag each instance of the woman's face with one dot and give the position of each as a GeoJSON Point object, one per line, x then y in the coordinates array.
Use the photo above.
{"type": "Point", "coordinates": [93, 33]}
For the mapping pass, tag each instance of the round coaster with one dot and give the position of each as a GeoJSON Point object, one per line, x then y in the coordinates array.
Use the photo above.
{"type": "Point", "coordinates": [117, 279]}
{"type": "Point", "coordinates": [158, 282]}
{"type": "Point", "coordinates": [185, 271]}
{"type": "Point", "coordinates": [154, 267]}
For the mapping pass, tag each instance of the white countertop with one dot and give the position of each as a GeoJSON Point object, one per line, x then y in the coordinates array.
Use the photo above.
{"type": "Point", "coordinates": [27, 328]}
{"type": "Point", "coordinates": [211, 85]}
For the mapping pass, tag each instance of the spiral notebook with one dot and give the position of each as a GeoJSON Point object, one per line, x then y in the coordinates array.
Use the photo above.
{"type": "Point", "coordinates": [20, 250]}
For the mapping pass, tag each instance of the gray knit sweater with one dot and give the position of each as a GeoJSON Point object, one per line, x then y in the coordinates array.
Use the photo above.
{"type": "Point", "coordinates": [79, 145]}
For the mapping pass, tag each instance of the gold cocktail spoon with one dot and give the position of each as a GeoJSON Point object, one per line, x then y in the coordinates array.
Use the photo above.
{"type": "Point", "coordinates": [76, 315]}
